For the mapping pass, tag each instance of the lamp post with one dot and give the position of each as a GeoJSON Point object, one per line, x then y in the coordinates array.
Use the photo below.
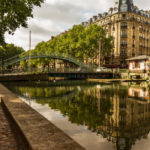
{"type": "Point", "coordinates": [29, 63]}
{"type": "Point", "coordinates": [1, 64]}
{"type": "Point", "coordinates": [144, 71]}
{"type": "Point", "coordinates": [100, 46]}
{"type": "Point", "coordinates": [2, 61]}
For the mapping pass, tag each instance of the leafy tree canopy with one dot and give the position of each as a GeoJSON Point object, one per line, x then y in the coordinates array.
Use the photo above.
{"type": "Point", "coordinates": [79, 42]}
{"type": "Point", "coordinates": [13, 14]}
{"type": "Point", "coordinates": [10, 50]}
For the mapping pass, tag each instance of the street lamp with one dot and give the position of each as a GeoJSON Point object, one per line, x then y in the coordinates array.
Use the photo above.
{"type": "Point", "coordinates": [2, 64]}
{"type": "Point", "coordinates": [29, 63]}
{"type": "Point", "coordinates": [2, 60]}
{"type": "Point", "coordinates": [100, 46]}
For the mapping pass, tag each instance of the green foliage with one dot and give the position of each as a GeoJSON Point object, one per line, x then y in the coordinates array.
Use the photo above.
{"type": "Point", "coordinates": [79, 42]}
{"type": "Point", "coordinates": [10, 50]}
{"type": "Point", "coordinates": [13, 14]}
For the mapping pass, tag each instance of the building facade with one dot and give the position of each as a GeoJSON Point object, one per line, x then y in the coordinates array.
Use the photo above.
{"type": "Point", "coordinates": [139, 63]}
{"type": "Point", "coordinates": [130, 28]}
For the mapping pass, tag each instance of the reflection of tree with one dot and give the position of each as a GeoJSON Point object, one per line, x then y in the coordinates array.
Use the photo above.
{"type": "Point", "coordinates": [81, 109]}
{"type": "Point", "coordinates": [106, 110]}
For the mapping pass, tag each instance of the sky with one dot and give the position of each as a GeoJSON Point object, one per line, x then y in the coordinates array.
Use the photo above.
{"type": "Point", "coordinates": [56, 16]}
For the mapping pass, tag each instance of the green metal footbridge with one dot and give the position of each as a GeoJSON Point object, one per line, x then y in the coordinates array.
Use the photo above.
{"type": "Point", "coordinates": [22, 57]}
{"type": "Point", "coordinates": [16, 73]}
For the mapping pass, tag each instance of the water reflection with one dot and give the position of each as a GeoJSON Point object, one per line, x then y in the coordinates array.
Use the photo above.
{"type": "Point", "coordinates": [118, 112]}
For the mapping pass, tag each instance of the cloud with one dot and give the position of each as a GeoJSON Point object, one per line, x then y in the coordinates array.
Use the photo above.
{"type": "Point", "coordinates": [60, 13]}
{"type": "Point", "coordinates": [55, 16]}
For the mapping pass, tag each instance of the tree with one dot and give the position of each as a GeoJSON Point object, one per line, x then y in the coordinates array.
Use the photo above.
{"type": "Point", "coordinates": [2, 51]}
{"type": "Point", "coordinates": [79, 42]}
{"type": "Point", "coordinates": [12, 50]}
{"type": "Point", "coordinates": [93, 35]}
{"type": "Point", "coordinates": [9, 51]}
{"type": "Point", "coordinates": [13, 14]}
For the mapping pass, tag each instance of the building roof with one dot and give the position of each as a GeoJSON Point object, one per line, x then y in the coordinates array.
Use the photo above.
{"type": "Point", "coordinates": [120, 6]}
{"type": "Point", "coordinates": [141, 57]}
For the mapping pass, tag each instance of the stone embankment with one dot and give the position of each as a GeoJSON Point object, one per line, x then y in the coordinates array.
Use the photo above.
{"type": "Point", "coordinates": [33, 131]}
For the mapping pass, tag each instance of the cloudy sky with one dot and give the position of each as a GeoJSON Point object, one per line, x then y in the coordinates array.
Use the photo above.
{"type": "Point", "coordinates": [56, 16]}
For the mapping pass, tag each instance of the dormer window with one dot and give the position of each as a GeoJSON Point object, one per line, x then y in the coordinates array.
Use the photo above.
{"type": "Point", "coordinates": [124, 15]}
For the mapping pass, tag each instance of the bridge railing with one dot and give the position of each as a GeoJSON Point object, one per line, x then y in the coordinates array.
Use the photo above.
{"type": "Point", "coordinates": [24, 56]}
{"type": "Point", "coordinates": [51, 70]}
{"type": "Point", "coordinates": [41, 70]}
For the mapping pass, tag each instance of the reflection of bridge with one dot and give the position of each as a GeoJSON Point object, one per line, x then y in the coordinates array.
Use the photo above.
{"type": "Point", "coordinates": [69, 93]}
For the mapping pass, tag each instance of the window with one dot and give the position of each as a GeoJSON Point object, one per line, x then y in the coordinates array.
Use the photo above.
{"type": "Point", "coordinates": [123, 52]}
{"type": "Point", "coordinates": [124, 33]}
{"type": "Point", "coordinates": [136, 64]}
{"type": "Point", "coordinates": [124, 25]}
{"type": "Point", "coordinates": [123, 42]}
{"type": "Point", "coordinates": [133, 54]}
{"type": "Point", "coordinates": [124, 16]}
{"type": "Point", "coordinates": [140, 29]}
{"type": "Point", "coordinates": [113, 28]}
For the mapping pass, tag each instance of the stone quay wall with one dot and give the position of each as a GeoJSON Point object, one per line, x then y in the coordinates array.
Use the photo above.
{"type": "Point", "coordinates": [36, 132]}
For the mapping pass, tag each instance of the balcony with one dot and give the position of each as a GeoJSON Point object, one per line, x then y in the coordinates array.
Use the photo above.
{"type": "Point", "coordinates": [123, 36]}
{"type": "Point", "coordinates": [124, 55]}
{"type": "Point", "coordinates": [123, 45]}
{"type": "Point", "coordinates": [124, 26]}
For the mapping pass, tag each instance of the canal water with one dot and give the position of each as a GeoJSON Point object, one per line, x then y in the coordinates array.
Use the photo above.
{"type": "Point", "coordinates": [97, 116]}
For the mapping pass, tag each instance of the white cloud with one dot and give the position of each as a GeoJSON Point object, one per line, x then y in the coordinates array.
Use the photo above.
{"type": "Point", "coordinates": [55, 16]}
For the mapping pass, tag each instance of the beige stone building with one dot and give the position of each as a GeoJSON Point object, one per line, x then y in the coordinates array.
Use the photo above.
{"type": "Point", "coordinates": [130, 28]}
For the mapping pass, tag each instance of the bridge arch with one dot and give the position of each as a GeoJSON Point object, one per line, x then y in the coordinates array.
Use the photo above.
{"type": "Point", "coordinates": [19, 58]}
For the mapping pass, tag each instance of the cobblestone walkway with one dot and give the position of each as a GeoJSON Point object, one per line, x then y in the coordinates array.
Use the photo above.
{"type": "Point", "coordinates": [7, 139]}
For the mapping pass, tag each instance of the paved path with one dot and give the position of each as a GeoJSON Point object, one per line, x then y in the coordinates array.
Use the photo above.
{"type": "Point", "coordinates": [7, 138]}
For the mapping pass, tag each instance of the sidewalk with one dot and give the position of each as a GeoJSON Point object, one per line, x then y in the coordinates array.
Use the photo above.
{"type": "Point", "coordinates": [7, 138]}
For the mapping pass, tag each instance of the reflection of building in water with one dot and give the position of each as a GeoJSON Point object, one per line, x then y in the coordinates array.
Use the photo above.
{"type": "Point", "coordinates": [140, 93]}
{"type": "Point", "coordinates": [130, 116]}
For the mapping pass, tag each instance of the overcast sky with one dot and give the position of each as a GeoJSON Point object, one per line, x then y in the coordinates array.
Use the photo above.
{"type": "Point", "coordinates": [56, 16]}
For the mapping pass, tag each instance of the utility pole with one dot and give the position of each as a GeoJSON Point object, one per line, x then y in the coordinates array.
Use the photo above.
{"type": "Point", "coordinates": [100, 53]}
{"type": "Point", "coordinates": [29, 63]}
{"type": "Point", "coordinates": [2, 62]}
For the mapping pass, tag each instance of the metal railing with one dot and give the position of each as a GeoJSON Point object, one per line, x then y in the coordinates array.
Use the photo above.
{"type": "Point", "coordinates": [23, 57]}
